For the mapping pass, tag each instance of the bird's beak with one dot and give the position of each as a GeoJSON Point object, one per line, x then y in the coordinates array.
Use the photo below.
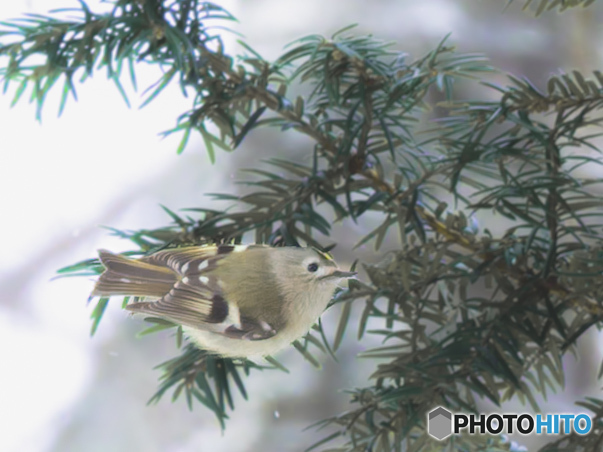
{"type": "Point", "coordinates": [342, 274]}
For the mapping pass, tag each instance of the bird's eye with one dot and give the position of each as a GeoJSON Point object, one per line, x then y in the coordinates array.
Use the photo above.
{"type": "Point", "coordinates": [312, 267]}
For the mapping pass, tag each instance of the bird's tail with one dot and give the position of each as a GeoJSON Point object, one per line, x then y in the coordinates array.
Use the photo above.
{"type": "Point", "coordinates": [123, 276]}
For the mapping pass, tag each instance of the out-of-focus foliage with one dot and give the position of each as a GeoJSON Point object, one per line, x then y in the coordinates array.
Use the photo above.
{"type": "Point", "coordinates": [465, 313]}
{"type": "Point", "coordinates": [540, 6]}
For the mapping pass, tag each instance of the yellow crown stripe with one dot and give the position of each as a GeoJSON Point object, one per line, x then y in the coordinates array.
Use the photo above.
{"type": "Point", "coordinates": [327, 256]}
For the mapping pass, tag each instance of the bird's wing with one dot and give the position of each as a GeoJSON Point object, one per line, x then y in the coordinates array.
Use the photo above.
{"type": "Point", "coordinates": [197, 299]}
{"type": "Point", "coordinates": [195, 259]}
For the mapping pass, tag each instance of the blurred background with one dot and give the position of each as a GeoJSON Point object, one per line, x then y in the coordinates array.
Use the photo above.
{"type": "Point", "coordinates": [102, 164]}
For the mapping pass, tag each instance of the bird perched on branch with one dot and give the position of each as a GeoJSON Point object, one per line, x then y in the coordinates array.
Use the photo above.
{"type": "Point", "coordinates": [231, 300]}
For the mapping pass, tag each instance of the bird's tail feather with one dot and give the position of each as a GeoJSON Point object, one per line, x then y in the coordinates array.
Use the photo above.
{"type": "Point", "coordinates": [123, 276]}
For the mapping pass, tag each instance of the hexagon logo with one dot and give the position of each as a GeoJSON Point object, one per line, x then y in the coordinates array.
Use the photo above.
{"type": "Point", "coordinates": [439, 423]}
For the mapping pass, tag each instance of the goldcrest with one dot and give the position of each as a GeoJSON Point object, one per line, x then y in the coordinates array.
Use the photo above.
{"type": "Point", "coordinates": [231, 300]}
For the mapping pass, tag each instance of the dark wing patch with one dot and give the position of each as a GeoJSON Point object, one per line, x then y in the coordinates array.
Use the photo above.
{"type": "Point", "coordinates": [225, 249]}
{"type": "Point", "coordinates": [219, 310]}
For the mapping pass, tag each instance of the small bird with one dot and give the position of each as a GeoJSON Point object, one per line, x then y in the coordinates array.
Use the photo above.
{"type": "Point", "coordinates": [231, 300]}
